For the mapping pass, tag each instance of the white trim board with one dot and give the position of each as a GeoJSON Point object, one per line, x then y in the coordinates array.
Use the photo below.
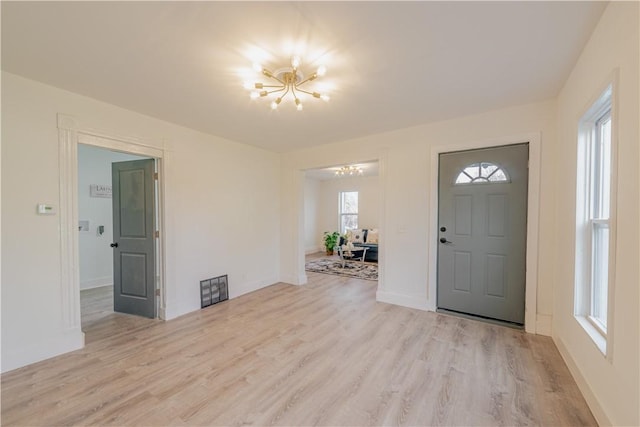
{"type": "Point", "coordinates": [533, 218]}
{"type": "Point", "coordinates": [417, 302]}
{"type": "Point", "coordinates": [592, 401]}
{"type": "Point", "coordinates": [70, 134]}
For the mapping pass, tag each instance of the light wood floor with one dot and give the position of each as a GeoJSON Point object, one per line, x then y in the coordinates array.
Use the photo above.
{"type": "Point", "coordinates": [322, 354]}
{"type": "Point", "coordinates": [98, 319]}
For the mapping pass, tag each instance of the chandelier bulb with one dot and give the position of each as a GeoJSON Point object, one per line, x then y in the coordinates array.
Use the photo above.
{"type": "Point", "coordinates": [247, 85]}
{"type": "Point", "coordinates": [349, 171]}
{"type": "Point", "coordinates": [322, 70]}
{"type": "Point", "coordinates": [257, 67]}
{"type": "Point", "coordinates": [295, 61]}
{"type": "Point", "coordinates": [325, 97]}
{"type": "Point", "coordinates": [254, 95]}
{"type": "Point", "coordinates": [274, 105]}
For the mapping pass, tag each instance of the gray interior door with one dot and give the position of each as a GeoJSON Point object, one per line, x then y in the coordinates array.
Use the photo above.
{"type": "Point", "coordinates": [482, 232]}
{"type": "Point", "coordinates": [133, 237]}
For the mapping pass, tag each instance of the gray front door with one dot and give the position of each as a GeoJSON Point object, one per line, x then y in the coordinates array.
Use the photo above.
{"type": "Point", "coordinates": [133, 237]}
{"type": "Point", "coordinates": [482, 221]}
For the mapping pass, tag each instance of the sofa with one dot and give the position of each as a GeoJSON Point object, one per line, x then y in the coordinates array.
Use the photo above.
{"type": "Point", "coordinates": [366, 237]}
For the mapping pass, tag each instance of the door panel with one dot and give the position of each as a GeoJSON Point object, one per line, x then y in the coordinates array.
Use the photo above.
{"type": "Point", "coordinates": [497, 215]}
{"type": "Point", "coordinates": [133, 278]}
{"type": "Point", "coordinates": [496, 275]}
{"type": "Point", "coordinates": [133, 234]}
{"type": "Point", "coordinates": [463, 215]}
{"type": "Point", "coordinates": [462, 271]}
{"type": "Point", "coordinates": [481, 262]}
{"type": "Point", "coordinates": [132, 215]}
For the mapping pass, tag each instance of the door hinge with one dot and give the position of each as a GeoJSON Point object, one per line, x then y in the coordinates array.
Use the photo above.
{"type": "Point", "coordinates": [156, 234]}
{"type": "Point", "coordinates": [155, 175]}
{"type": "Point", "coordinates": [157, 292]}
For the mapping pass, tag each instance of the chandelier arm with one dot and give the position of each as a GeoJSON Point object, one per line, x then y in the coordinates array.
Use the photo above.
{"type": "Point", "coordinates": [276, 90]}
{"type": "Point", "coordinates": [304, 91]}
{"type": "Point", "coordinates": [264, 85]}
{"type": "Point", "coordinates": [271, 76]}
{"type": "Point", "coordinates": [308, 79]}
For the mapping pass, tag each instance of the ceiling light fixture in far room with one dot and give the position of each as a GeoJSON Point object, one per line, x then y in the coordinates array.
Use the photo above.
{"type": "Point", "coordinates": [349, 171]}
{"type": "Point", "coordinates": [286, 81]}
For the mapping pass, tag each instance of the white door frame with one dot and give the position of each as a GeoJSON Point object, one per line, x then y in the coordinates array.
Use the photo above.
{"type": "Point", "coordinates": [533, 218]}
{"type": "Point", "coordinates": [70, 134]}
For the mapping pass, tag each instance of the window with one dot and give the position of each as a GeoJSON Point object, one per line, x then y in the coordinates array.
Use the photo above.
{"type": "Point", "coordinates": [348, 210]}
{"type": "Point", "coordinates": [481, 173]}
{"type": "Point", "coordinates": [594, 219]}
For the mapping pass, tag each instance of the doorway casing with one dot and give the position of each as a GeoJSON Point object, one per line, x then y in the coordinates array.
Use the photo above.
{"type": "Point", "coordinates": [531, 322]}
{"type": "Point", "coordinates": [70, 134]}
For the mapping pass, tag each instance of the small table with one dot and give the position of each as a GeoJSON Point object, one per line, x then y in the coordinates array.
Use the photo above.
{"type": "Point", "coordinates": [351, 254]}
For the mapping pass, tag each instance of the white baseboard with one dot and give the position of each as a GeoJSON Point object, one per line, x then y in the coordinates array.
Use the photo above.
{"type": "Point", "coordinates": [246, 288]}
{"type": "Point", "coordinates": [313, 250]}
{"type": "Point", "coordinates": [543, 324]}
{"type": "Point", "coordinates": [96, 283]}
{"type": "Point", "coordinates": [291, 279]}
{"type": "Point", "coordinates": [592, 401]}
{"type": "Point", "coordinates": [403, 300]}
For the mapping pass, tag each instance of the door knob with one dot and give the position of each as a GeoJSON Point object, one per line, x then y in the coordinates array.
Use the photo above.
{"type": "Point", "coordinates": [114, 245]}
{"type": "Point", "coordinates": [444, 240]}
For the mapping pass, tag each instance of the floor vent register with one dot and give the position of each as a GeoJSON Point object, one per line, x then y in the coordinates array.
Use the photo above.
{"type": "Point", "coordinates": [213, 291]}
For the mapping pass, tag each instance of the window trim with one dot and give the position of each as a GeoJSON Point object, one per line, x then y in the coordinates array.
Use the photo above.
{"type": "Point", "coordinates": [601, 106]}
{"type": "Point", "coordinates": [342, 214]}
{"type": "Point", "coordinates": [482, 179]}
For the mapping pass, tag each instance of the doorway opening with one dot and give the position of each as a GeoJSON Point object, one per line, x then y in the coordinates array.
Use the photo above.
{"type": "Point", "coordinates": [96, 241]}
{"type": "Point", "coordinates": [347, 206]}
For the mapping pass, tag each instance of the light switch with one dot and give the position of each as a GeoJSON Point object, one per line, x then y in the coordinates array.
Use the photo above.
{"type": "Point", "coordinates": [44, 209]}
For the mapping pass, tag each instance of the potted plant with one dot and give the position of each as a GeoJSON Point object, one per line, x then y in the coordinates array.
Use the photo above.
{"type": "Point", "coordinates": [330, 241]}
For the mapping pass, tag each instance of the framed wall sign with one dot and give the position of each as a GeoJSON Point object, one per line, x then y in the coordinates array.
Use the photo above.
{"type": "Point", "coordinates": [99, 190]}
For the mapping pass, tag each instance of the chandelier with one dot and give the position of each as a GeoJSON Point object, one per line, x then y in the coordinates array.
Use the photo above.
{"type": "Point", "coordinates": [286, 81]}
{"type": "Point", "coordinates": [349, 171]}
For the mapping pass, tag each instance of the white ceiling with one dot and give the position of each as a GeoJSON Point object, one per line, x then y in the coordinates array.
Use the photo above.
{"type": "Point", "coordinates": [390, 64]}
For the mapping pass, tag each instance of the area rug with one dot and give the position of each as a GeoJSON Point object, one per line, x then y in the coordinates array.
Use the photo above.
{"type": "Point", "coordinates": [357, 269]}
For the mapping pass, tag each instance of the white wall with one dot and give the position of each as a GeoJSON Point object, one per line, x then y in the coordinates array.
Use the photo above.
{"type": "Point", "coordinates": [610, 386]}
{"type": "Point", "coordinates": [95, 254]}
{"type": "Point", "coordinates": [312, 231]}
{"type": "Point", "coordinates": [209, 218]}
{"type": "Point", "coordinates": [368, 201]}
{"type": "Point", "coordinates": [404, 190]}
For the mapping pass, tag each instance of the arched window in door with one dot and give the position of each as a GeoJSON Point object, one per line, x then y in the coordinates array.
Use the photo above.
{"type": "Point", "coordinates": [483, 172]}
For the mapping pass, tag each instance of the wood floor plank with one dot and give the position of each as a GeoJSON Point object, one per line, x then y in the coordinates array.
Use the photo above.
{"type": "Point", "coordinates": [322, 354]}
